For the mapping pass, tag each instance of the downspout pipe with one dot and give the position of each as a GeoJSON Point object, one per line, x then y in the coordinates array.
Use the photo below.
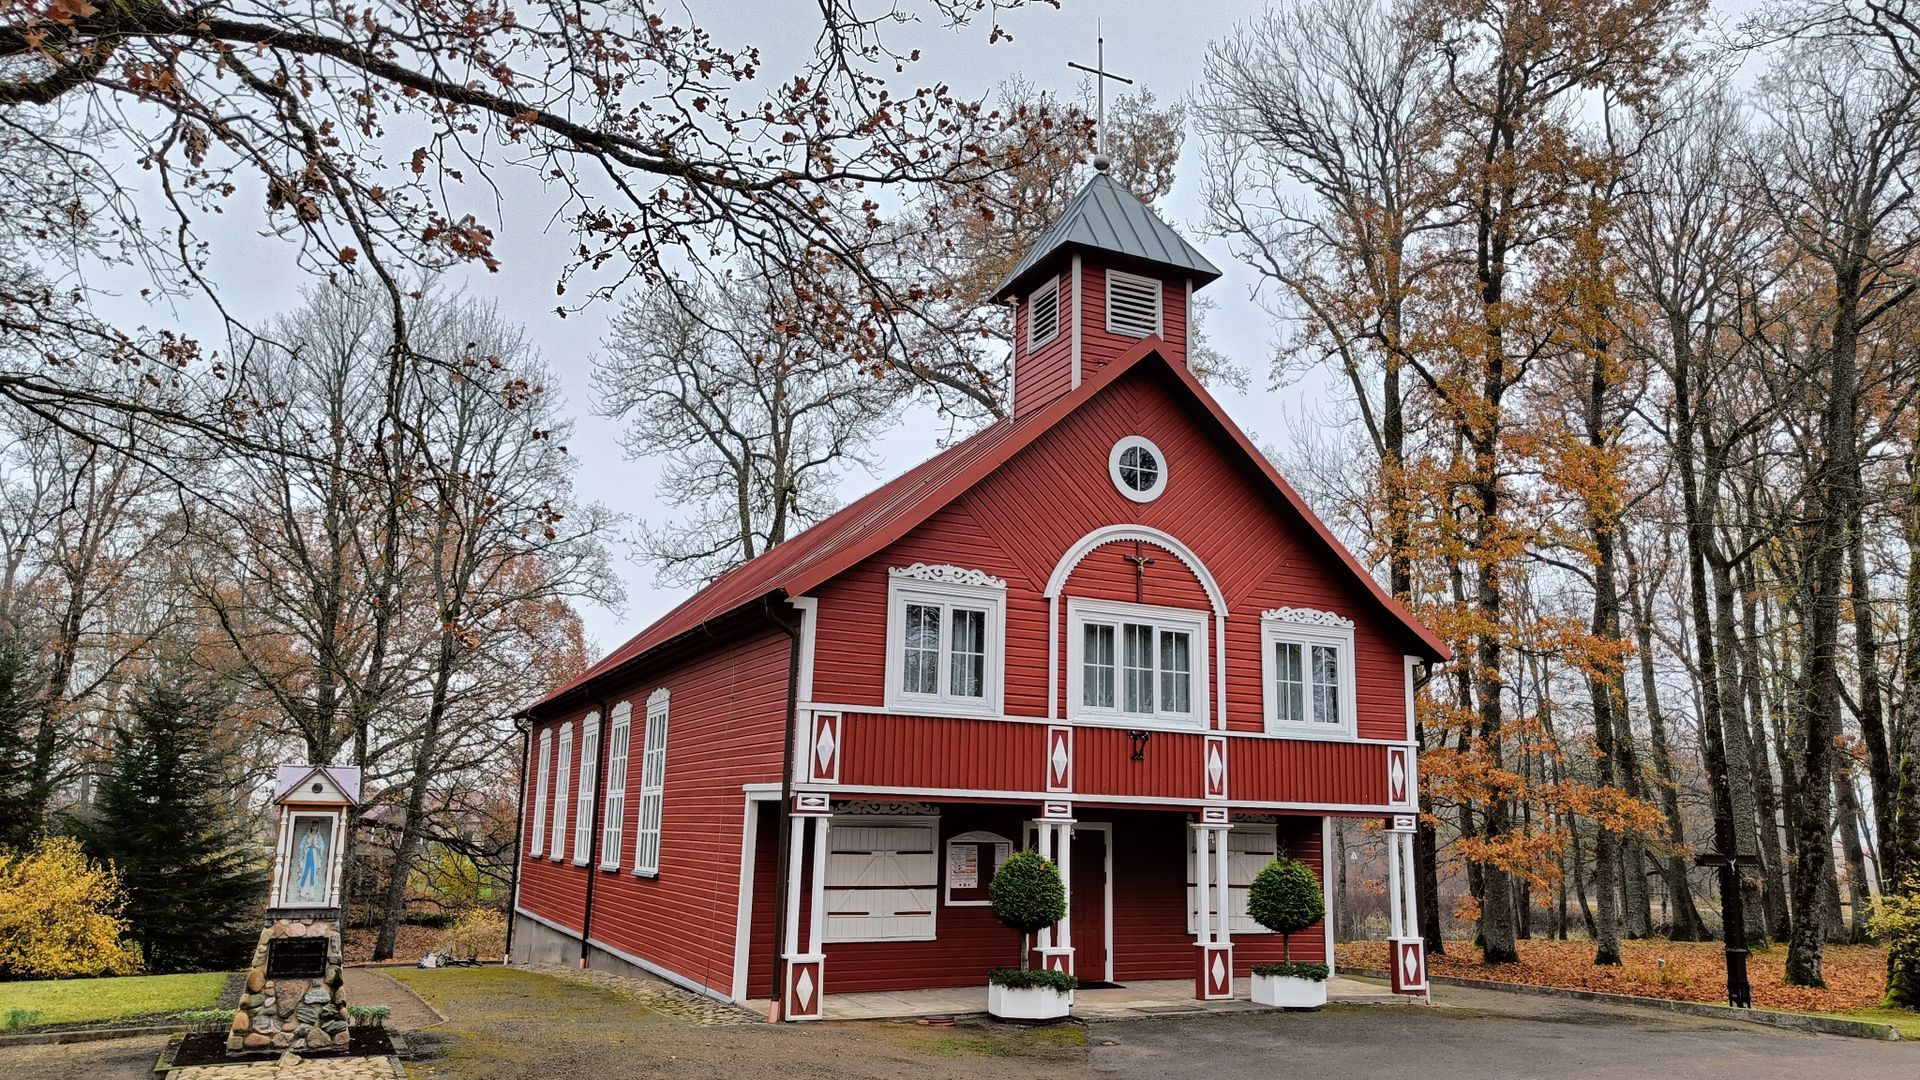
{"type": "Point", "coordinates": [777, 1011]}
{"type": "Point", "coordinates": [593, 836]}
{"type": "Point", "coordinates": [522, 724]}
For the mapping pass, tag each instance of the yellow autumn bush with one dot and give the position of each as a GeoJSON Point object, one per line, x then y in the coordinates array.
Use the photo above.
{"type": "Point", "coordinates": [477, 932]}
{"type": "Point", "coordinates": [60, 914]}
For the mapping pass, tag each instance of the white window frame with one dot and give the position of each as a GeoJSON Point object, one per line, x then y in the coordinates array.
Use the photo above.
{"type": "Point", "coordinates": [537, 846]}
{"type": "Point", "coordinates": [562, 768]}
{"type": "Point", "coordinates": [1119, 483]}
{"type": "Point", "coordinates": [902, 591]}
{"type": "Point", "coordinates": [619, 748]}
{"type": "Point", "coordinates": [1241, 868]}
{"type": "Point", "coordinates": [1154, 286]}
{"type": "Point", "coordinates": [1308, 629]}
{"type": "Point", "coordinates": [653, 788]}
{"type": "Point", "coordinates": [921, 928]}
{"type": "Point", "coordinates": [1034, 341]}
{"type": "Point", "coordinates": [585, 794]}
{"type": "Point", "coordinates": [1193, 622]}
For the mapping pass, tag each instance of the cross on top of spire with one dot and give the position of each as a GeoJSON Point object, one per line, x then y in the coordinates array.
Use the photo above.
{"type": "Point", "coordinates": [1100, 76]}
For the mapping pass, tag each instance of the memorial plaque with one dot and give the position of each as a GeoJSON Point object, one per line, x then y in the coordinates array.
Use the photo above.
{"type": "Point", "coordinates": [296, 958]}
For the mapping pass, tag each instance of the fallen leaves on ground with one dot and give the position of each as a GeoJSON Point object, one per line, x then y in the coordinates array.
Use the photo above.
{"type": "Point", "coordinates": [1694, 971]}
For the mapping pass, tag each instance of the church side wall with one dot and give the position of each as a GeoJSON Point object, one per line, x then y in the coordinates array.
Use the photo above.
{"type": "Point", "coordinates": [724, 730]}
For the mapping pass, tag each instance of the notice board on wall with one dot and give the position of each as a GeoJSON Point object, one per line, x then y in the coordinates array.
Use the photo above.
{"type": "Point", "coordinates": [972, 858]}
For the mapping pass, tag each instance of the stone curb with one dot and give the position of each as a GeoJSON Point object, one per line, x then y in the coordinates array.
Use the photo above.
{"type": "Point", "coordinates": [79, 1035]}
{"type": "Point", "coordinates": [1822, 1025]}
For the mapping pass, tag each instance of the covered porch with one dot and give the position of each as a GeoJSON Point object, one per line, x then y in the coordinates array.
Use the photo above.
{"type": "Point", "coordinates": [886, 912]}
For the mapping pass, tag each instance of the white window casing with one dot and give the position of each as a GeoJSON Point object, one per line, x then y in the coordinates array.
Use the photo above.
{"type": "Point", "coordinates": [1043, 314]}
{"type": "Point", "coordinates": [619, 745]}
{"type": "Point", "coordinates": [562, 764]}
{"type": "Point", "coordinates": [1250, 847]}
{"type": "Point", "coordinates": [1137, 468]}
{"type": "Point", "coordinates": [946, 641]}
{"type": "Point", "coordinates": [584, 797]}
{"type": "Point", "coordinates": [1137, 665]}
{"type": "Point", "coordinates": [653, 785]}
{"type": "Point", "coordinates": [1133, 305]}
{"type": "Point", "coordinates": [1306, 665]}
{"type": "Point", "coordinates": [536, 844]}
{"type": "Point", "coordinates": [882, 879]}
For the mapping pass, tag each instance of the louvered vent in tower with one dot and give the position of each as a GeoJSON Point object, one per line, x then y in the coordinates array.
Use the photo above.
{"type": "Point", "coordinates": [1043, 315]}
{"type": "Point", "coordinates": [1133, 305]}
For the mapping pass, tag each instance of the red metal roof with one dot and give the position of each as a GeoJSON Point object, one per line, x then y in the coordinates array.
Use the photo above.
{"type": "Point", "coordinates": [890, 511]}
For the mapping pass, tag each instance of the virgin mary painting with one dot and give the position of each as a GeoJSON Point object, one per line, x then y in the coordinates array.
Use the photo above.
{"type": "Point", "coordinates": [308, 863]}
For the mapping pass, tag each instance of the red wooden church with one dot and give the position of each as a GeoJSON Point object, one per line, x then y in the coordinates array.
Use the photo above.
{"type": "Point", "coordinates": [1105, 628]}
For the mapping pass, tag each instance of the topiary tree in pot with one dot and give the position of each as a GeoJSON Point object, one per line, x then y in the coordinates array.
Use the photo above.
{"type": "Point", "coordinates": [1028, 896]}
{"type": "Point", "coordinates": [1286, 898]}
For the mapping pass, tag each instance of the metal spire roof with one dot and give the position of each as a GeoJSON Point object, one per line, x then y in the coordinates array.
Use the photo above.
{"type": "Point", "coordinates": [1105, 217]}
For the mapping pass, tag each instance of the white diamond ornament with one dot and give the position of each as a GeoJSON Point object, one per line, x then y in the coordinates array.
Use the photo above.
{"type": "Point", "coordinates": [803, 987]}
{"type": "Point", "coordinates": [1216, 766]}
{"type": "Point", "coordinates": [1399, 773]}
{"type": "Point", "coordinates": [823, 746]}
{"type": "Point", "coordinates": [1060, 759]}
{"type": "Point", "coordinates": [1219, 970]}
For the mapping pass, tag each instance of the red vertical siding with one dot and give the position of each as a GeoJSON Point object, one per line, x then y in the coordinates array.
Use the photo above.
{"type": "Point", "coordinates": [1046, 372]}
{"type": "Point", "coordinates": [724, 730]}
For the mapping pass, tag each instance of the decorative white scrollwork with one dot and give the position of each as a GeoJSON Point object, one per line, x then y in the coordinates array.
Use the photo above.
{"type": "Point", "coordinates": [869, 808]}
{"type": "Point", "coordinates": [947, 574]}
{"type": "Point", "coordinates": [1306, 617]}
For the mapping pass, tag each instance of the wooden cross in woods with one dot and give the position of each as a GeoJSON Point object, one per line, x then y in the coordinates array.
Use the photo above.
{"type": "Point", "coordinates": [1140, 560]}
{"type": "Point", "coordinates": [1733, 916]}
{"type": "Point", "coordinates": [1100, 76]}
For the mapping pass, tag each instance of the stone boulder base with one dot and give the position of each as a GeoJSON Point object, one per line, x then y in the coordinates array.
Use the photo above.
{"type": "Point", "coordinates": [307, 1015]}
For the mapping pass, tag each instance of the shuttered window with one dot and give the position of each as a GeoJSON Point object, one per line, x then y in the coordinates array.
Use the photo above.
{"type": "Point", "coordinates": [583, 801]}
{"type": "Point", "coordinates": [1133, 305]}
{"type": "Point", "coordinates": [1043, 314]}
{"type": "Point", "coordinates": [1250, 848]}
{"type": "Point", "coordinates": [653, 783]}
{"type": "Point", "coordinates": [562, 765]}
{"type": "Point", "coordinates": [881, 880]}
{"type": "Point", "coordinates": [536, 844]}
{"type": "Point", "coordinates": [619, 743]}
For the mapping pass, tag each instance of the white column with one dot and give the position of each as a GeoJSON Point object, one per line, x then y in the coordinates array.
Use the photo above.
{"type": "Point", "coordinates": [1410, 907]}
{"type": "Point", "coordinates": [1063, 844]}
{"type": "Point", "coordinates": [1044, 939]}
{"type": "Point", "coordinates": [1224, 883]}
{"type": "Point", "coordinates": [1200, 885]}
{"type": "Point", "coordinates": [1393, 886]}
{"type": "Point", "coordinates": [796, 845]}
{"type": "Point", "coordinates": [817, 931]}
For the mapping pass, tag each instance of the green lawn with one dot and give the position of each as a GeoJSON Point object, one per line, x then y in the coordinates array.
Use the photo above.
{"type": "Point", "coordinates": [71, 1001]}
{"type": "Point", "coordinates": [1907, 1020]}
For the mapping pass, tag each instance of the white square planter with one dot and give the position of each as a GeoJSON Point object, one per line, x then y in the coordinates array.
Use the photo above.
{"type": "Point", "coordinates": [1032, 1003]}
{"type": "Point", "coordinates": [1287, 992]}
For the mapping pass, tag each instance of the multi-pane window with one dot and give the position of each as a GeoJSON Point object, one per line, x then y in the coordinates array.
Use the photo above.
{"type": "Point", "coordinates": [619, 743]}
{"type": "Point", "coordinates": [944, 653]}
{"type": "Point", "coordinates": [583, 799]}
{"type": "Point", "coordinates": [562, 763]}
{"type": "Point", "coordinates": [653, 781]}
{"type": "Point", "coordinates": [1309, 673]}
{"type": "Point", "coordinates": [1130, 661]}
{"type": "Point", "coordinates": [536, 843]}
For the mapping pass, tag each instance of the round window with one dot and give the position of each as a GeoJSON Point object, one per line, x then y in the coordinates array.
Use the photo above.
{"type": "Point", "coordinates": [1138, 468]}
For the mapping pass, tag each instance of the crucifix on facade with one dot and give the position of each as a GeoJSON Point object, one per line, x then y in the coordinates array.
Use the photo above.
{"type": "Point", "coordinates": [1140, 560]}
{"type": "Point", "coordinates": [1100, 76]}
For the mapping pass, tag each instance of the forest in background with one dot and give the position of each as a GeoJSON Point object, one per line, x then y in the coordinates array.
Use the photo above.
{"type": "Point", "coordinates": [1617, 297]}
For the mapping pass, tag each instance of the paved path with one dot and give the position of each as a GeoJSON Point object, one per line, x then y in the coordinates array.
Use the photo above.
{"type": "Point", "coordinates": [1483, 1035]}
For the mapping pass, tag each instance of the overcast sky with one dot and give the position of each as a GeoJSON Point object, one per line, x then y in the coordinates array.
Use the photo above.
{"type": "Point", "coordinates": [1143, 43]}
{"type": "Point", "coordinates": [1160, 46]}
